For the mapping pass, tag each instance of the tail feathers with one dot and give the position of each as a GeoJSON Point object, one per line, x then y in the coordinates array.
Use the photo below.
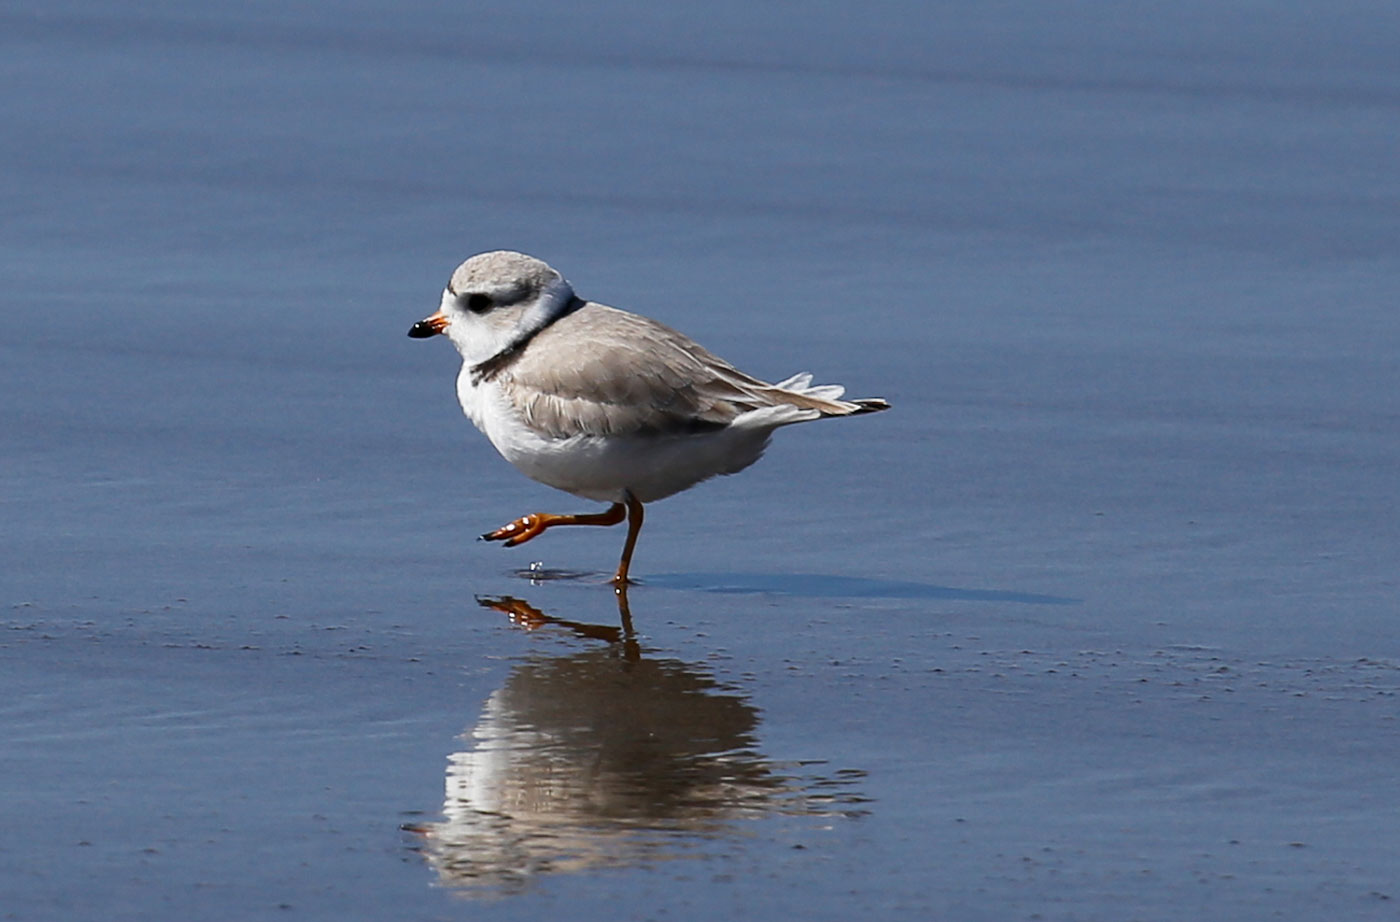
{"type": "Point", "coordinates": [869, 405]}
{"type": "Point", "coordinates": [802, 384]}
{"type": "Point", "coordinates": [825, 398]}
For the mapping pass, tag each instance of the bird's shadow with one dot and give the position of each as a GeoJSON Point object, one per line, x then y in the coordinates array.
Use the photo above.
{"type": "Point", "coordinates": [809, 585]}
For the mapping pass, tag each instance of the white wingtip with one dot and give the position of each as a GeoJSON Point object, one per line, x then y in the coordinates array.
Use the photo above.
{"type": "Point", "coordinates": [801, 383]}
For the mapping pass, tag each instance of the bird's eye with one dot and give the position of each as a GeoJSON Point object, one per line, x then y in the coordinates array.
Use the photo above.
{"type": "Point", "coordinates": [478, 303]}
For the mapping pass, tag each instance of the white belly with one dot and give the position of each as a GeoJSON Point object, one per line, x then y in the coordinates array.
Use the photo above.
{"type": "Point", "coordinates": [602, 469]}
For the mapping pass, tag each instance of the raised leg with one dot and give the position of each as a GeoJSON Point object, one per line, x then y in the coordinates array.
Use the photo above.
{"type": "Point", "coordinates": [529, 526]}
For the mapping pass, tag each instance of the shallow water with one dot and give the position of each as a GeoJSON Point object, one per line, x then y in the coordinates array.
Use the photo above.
{"type": "Point", "coordinates": [1097, 623]}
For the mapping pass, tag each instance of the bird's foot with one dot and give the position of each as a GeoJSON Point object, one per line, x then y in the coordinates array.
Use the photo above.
{"type": "Point", "coordinates": [528, 526]}
{"type": "Point", "coordinates": [520, 530]}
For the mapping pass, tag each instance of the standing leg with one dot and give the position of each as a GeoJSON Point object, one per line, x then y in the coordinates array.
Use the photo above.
{"type": "Point", "coordinates": [634, 528]}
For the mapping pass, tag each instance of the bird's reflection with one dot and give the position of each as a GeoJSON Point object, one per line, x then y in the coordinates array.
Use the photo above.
{"type": "Point", "coordinates": [608, 757]}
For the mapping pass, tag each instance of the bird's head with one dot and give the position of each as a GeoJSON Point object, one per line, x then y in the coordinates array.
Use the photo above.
{"type": "Point", "coordinates": [495, 302]}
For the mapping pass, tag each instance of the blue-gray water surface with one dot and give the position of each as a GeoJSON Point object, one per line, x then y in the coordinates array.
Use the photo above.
{"type": "Point", "coordinates": [1097, 623]}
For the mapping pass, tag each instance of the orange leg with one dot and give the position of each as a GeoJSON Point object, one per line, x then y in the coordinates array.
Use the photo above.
{"type": "Point", "coordinates": [634, 528]}
{"type": "Point", "coordinates": [529, 526]}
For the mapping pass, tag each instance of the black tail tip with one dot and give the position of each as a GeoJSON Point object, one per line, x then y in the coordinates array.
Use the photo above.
{"type": "Point", "coordinates": [870, 405]}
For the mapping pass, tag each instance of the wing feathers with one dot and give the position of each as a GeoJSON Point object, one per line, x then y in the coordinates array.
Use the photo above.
{"type": "Point", "coordinates": [604, 372]}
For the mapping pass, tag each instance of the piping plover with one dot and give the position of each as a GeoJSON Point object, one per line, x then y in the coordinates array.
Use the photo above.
{"type": "Point", "coordinates": [601, 403]}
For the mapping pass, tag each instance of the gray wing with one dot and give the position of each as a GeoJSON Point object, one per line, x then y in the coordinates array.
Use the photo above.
{"type": "Point", "coordinates": [602, 371]}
